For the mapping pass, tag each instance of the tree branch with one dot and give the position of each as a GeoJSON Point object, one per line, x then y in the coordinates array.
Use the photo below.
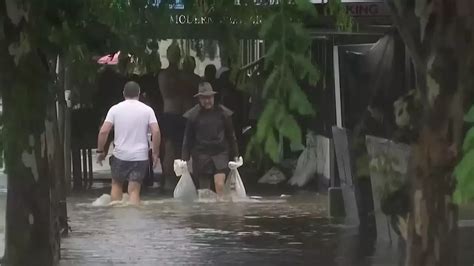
{"type": "Point", "coordinates": [407, 24]}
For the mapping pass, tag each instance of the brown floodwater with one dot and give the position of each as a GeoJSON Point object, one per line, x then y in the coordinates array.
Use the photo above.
{"type": "Point", "coordinates": [274, 230]}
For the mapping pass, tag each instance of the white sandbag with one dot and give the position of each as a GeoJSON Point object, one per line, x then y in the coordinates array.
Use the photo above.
{"type": "Point", "coordinates": [234, 185]}
{"type": "Point", "coordinates": [185, 189]}
{"type": "Point", "coordinates": [106, 200]}
{"type": "Point", "coordinates": [272, 177]}
{"type": "Point", "coordinates": [103, 200]}
{"type": "Point", "coordinates": [306, 167]}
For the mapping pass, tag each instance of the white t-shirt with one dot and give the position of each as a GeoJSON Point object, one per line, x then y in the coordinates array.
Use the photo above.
{"type": "Point", "coordinates": [131, 120]}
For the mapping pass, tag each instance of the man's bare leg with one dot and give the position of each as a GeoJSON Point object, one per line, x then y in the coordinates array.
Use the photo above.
{"type": "Point", "coordinates": [134, 192]}
{"type": "Point", "coordinates": [219, 180]}
{"type": "Point", "coordinates": [116, 191]}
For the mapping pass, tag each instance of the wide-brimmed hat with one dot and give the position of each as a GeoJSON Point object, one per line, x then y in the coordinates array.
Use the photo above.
{"type": "Point", "coordinates": [205, 89]}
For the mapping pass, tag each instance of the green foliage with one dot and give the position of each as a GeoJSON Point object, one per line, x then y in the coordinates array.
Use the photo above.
{"type": "Point", "coordinates": [342, 19]}
{"type": "Point", "coordinates": [288, 63]}
{"type": "Point", "coordinates": [469, 116]}
{"type": "Point", "coordinates": [464, 171]}
{"type": "Point", "coordinates": [306, 7]}
{"type": "Point", "coordinates": [468, 141]}
{"type": "Point", "coordinates": [271, 146]}
{"type": "Point", "coordinates": [386, 167]}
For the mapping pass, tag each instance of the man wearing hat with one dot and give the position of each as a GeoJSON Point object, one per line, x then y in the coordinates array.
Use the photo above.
{"type": "Point", "coordinates": [209, 139]}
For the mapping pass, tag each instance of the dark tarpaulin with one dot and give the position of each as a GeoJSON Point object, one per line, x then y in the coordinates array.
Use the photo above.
{"type": "Point", "coordinates": [371, 75]}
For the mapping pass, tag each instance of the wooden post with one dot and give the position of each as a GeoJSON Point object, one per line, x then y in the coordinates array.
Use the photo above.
{"type": "Point", "coordinates": [67, 132]}
{"type": "Point", "coordinates": [90, 174]}
{"type": "Point", "coordinates": [76, 167]}
{"type": "Point", "coordinates": [60, 109]}
{"type": "Point", "coordinates": [84, 167]}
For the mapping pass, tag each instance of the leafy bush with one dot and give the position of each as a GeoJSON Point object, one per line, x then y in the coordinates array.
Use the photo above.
{"type": "Point", "coordinates": [464, 171]}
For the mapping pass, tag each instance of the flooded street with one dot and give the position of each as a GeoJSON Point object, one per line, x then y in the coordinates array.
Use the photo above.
{"type": "Point", "coordinates": [267, 231]}
{"type": "Point", "coordinates": [272, 230]}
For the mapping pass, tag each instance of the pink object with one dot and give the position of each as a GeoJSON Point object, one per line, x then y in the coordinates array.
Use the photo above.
{"type": "Point", "coordinates": [109, 59]}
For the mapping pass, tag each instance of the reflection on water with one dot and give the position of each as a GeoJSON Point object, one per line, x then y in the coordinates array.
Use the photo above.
{"type": "Point", "coordinates": [268, 231]}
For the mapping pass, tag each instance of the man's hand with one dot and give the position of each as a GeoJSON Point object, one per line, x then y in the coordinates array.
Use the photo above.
{"type": "Point", "coordinates": [156, 160]}
{"type": "Point", "coordinates": [100, 158]}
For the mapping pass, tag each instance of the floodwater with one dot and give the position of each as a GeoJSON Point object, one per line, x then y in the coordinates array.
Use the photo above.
{"type": "Point", "coordinates": [271, 230]}
{"type": "Point", "coordinates": [263, 231]}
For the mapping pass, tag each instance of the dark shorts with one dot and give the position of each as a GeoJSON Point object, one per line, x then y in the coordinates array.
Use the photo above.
{"type": "Point", "coordinates": [172, 127]}
{"type": "Point", "coordinates": [209, 165]}
{"type": "Point", "coordinates": [133, 171]}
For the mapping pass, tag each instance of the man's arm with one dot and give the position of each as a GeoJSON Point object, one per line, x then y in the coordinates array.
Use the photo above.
{"type": "Point", "coordinates": [155, 139]}
{"type": "Point", "coordinates": [109, 141]}
{"type": "Point", "coordinates": [103, 135]}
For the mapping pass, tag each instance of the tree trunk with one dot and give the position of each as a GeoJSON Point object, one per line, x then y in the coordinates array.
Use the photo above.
{"type": "Point", "coordinates": [31, 224]}
{"type": "Point", "coordinates": [432, 225]}
{"type": "Point", "coordinates": [58, 211]}
{"type": "Point", "coordinates": [60, 121]}
{"type": "Point", "coordinates": [67, 134]}
{"type": "Point", "coordinates": [67, 151]}
{"type": "Point", "coordinates": [61, 100]}
{"type": "Point", "coordinates": [438, 37]}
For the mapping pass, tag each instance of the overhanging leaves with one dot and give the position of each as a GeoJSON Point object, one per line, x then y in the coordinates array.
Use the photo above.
{"type": "Point", "coordinates": [299, 102]}
{"type": "Point", "coordinates": [464, 173]}
{"type": "Point", "coordinates": [271, 147]}
{"type": "Point", "coordinates": [272, 81]}
{"type": "Point", "coordinates": [469, 117]}
{"type": "Point", "coordinates": [289, 64]}
{"type": "Point", "coordinates": [267, 26]}
{"type": "Point", "coordinates": [290, 129]}
{"type": "Point", "coordinates": [308, 70]}
{"type": "Point", "coordinates": [264, 125]}
{"type": "Point", "coordinates": [469, 141]}
{"type": "Point", "coordinates": [306, 6]}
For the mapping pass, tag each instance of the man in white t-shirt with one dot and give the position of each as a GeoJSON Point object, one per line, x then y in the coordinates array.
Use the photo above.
{"type": "Point", "coordinates": [131, 121]}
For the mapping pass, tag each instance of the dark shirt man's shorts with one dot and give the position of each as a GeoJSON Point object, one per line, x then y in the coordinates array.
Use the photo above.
{"type": "Point", "coordinates": [205, 166]}
{"type": "Point", "coordinates": [132, 171]}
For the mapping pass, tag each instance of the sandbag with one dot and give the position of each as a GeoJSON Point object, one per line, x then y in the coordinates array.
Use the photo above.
{"type": "Point", "coordinates": [234, 185]}
{"type": "Point", "coordinates": [272, 177]}
{"type": "Point", "coordinates": [306, 167]}
{"type": "Point", "coordinates": [103, 200]}
{"type": "Point", "coordinates": [106, 200]}
{"type": "Point", "coordinates": [185, 189]}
